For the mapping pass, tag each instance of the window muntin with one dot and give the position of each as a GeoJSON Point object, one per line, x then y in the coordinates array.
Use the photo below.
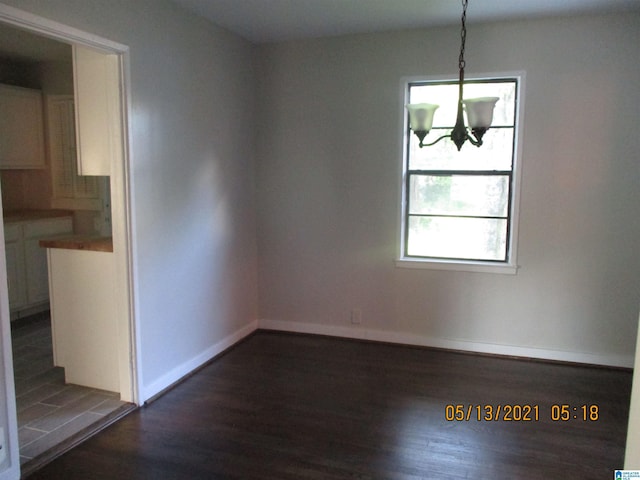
{"type": "Point", "coordinates": [459, 205]}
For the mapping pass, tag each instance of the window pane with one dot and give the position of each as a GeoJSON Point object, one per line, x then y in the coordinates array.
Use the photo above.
{"type": "Point", "coordinates": [446, 95]}
{"type": "Point", "coordinates": [476, 195]}
{"type": "Point", "coordinates": [496, 152]}
{"type": "Point", "coordinates": [458, 238]}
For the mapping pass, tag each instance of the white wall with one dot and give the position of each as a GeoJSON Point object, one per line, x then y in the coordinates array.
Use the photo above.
{"type": "Point", "coordinates": [329, 190]}
{"type": "Point", "coordinates": [192, 175]}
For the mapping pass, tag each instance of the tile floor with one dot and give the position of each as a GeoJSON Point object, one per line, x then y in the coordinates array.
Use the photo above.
{"type": "Point", "coordinates": [50, 412]}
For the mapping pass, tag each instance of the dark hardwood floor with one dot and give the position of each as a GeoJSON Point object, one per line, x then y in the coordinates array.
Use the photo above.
{"type": "Point", "coordinates": [282, 406]}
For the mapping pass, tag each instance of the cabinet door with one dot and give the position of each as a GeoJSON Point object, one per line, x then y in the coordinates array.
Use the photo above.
{"type": "Point", "coordinates": [62, 144]}
{"type": "Point", "coordinates": [37, 276]}
{"type": "Point", "coordinates": [21, 128]}
{"type": "Point", "coordinates": [70, 191]}
{"type": "Point", "coordinates": [36, 269]}
{"type": "Point", "coordinates": [16, 275]}
{"type": "Point", "coordinates": [96, 78]}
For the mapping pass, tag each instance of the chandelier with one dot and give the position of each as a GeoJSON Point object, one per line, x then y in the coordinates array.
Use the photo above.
{"type": "Point", "coordinates": [479, 110]}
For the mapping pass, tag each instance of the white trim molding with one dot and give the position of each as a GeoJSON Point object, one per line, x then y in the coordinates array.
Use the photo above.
{"type": "Point", "coordinates": [474, 267]}
{"type": "Point", "coordinates": [57, 31]}
{"type": "Point", "coordinates": [509, 267]}
{"type": "Point", "coordinates": [404, 338]}
{"type": "Point", "coordinates": [122, 236]}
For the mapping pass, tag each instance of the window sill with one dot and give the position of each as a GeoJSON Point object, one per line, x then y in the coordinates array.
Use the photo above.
{"type": "Point", "coordinates": [475, 267]}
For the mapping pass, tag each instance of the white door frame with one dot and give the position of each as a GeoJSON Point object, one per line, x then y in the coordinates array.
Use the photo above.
{"type": "Point", "coordinates": [128, 343]}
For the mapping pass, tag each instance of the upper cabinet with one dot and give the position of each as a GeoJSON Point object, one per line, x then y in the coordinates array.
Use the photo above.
{"type": "Point", "coordinates": [98, 111]}
{"type": "Point", "coordinates": [21, 128]}
{"type": "Point", "coordinates": [70, 191]}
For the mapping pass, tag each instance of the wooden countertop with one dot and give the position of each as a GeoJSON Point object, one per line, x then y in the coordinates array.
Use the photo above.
{"type": "Point", "coordinates": [25, 215]}
{"type": "Point", "coordinates": [79, 242]}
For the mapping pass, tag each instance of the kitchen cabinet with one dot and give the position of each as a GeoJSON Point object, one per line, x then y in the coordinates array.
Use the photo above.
{"type": "Point", "coordinates": [16, 275]}
{"type": "Point", "coordinates": [27, 273]}
{"type": "Point", "coordinates": [98, 110]}
{"type": "Point", "coordinates": [84, 316]}
{"type": "Point", "coordinates": [70, 190]}
{"type": "Point", "coordinates": [21, 128]}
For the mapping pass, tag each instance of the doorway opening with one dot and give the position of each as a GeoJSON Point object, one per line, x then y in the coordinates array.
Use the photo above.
{"type": "Point", "coordinates": [35, 54]}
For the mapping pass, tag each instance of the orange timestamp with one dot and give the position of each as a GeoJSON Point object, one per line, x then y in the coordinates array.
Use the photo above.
{"type": "Point", "coordinates": [565, 412]}
{"type": "Point", "coordinates": [491, 413]}
{"type": "Point", "coordinates": [519, 413]}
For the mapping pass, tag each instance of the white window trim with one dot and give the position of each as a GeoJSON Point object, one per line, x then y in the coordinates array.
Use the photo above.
{"type": "Point", "coordinates": [511, 267]}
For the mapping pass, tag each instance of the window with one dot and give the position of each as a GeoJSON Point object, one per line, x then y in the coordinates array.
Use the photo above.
{"type": "Point", "coordinates": [459, 207]}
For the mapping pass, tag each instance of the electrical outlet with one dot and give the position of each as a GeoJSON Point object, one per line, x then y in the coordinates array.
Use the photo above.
{"type": "Point", "coordinates": [3, 448]}
{"type": "Point", "coordinates": [356, 316]}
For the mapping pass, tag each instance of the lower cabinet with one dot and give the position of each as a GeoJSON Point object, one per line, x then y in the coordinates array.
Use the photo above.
{"type": "Point", "coordinates": [27, 273]}
{"type": "Point", "coordinates": [16, 275]}
{"type": "Point", "coordinates": [84, 317]}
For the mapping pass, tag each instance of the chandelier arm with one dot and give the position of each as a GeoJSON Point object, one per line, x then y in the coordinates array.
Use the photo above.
{"type": "Point", "coordinates": [422, 144]}
{"type": "Point", "coordinates": [469, 136]}
{"type": "Point", "coordinates": [474, 141]}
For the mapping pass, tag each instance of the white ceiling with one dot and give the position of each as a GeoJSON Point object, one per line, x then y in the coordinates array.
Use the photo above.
{"type": "Point", "coordinates": [263, 21]}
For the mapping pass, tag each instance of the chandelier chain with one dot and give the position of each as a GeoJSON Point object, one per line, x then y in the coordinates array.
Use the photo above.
{"type": "Point", "coordinates": [463, 34]}
{"type": "Point", "coordinates": [479, 110]}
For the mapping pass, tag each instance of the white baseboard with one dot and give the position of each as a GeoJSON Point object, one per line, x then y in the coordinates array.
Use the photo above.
{"type": "Point", "coordinates": [610, 360]}
{"type": "Point", "coordinates": [196, 362]}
